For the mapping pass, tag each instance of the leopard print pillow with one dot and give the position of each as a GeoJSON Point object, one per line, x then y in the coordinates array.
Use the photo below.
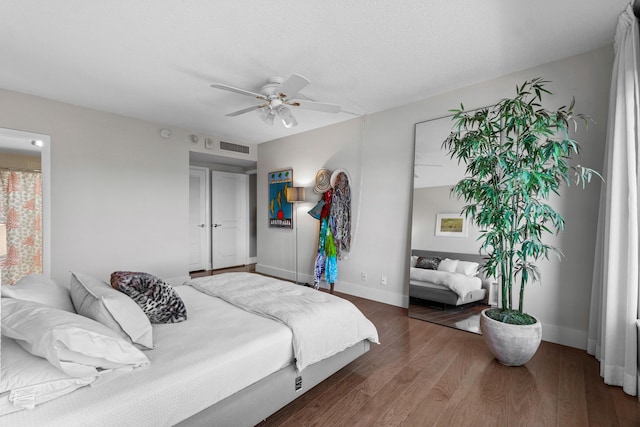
{"type": "Point", "coordinates": [429, 263]}
{"type": "Point", "coordinates": [157, 299]}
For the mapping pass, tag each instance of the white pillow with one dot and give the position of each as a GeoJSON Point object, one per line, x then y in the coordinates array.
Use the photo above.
{"type": "Point", "coordinates": [39, 288]}
{"type": "Point", "coordinates": [27, 380]}
{"type": "Point", "coordinates": [77, 345]}
{"type": "Point", "coordinates": [448, 265]}
{"type": "Point", "coordinates": [467, 268]}
{"type": "Point", "coordinates": [414, 259]}
{"type": "Point", "coordinates": [97, 300]}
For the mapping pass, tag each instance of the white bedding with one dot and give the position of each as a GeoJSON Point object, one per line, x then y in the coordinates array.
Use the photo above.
{"type": "Point", "coordinates": [218, 351]}
{"type": "Point", "coordinates": [457, 282]}
{"type": "Point", "coordinates": [322, 324]}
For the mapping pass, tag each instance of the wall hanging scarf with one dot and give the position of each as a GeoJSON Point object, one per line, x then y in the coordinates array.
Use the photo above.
{"type": "Point", "coordinates": [340, 212]}
{"type": "Point", "coordinates": [334, 213]}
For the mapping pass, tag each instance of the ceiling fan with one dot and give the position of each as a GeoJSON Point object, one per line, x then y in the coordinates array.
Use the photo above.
{"type": "Point", "coordinates": [278, 97]}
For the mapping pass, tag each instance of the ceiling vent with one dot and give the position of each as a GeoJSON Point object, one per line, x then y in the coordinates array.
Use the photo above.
{"type": "Point", "coordinates": [237, 148]}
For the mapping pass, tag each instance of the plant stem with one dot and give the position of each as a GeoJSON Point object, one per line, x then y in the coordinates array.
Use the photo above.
{"type": "Point", "coordinates": [521, 302]}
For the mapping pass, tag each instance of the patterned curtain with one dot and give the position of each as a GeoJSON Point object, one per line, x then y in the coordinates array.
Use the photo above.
{"type": "Point", "coordinates": [21, 211]}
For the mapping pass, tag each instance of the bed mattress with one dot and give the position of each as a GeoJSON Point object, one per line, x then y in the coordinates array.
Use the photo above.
{"type": "Point", "coordinates": [442, 294]}
{"type": "Point", "coordinates": [229, 346]}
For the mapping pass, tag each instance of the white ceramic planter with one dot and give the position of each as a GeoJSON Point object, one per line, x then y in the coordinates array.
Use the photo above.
{"type": "Point", "coordinates": [512, 345]}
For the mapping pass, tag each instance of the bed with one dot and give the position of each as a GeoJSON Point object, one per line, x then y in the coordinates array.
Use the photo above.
{"type": "Point", "coordinates": [454, 280]}
{"type": "Point", "coordinates": [224, 365]}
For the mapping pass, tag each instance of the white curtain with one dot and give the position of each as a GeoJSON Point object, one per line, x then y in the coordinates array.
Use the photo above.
{"type": "Point", "coordinates": [613, 335]}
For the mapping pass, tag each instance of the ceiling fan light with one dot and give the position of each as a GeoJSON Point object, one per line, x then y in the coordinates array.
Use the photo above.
{"type": "Point", "coordinates": [267, 115]}
{"type": "Point", "coordinates": [290, 122]}
{"type": "Point", "coordinates": [287, 118]}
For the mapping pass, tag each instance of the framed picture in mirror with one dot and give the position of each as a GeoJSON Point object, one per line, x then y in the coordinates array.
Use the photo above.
{"type": "Point", "coordinates": [451, 225]}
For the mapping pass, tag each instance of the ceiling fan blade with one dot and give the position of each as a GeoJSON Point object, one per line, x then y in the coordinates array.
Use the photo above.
{"type": "Point", "coordinates": [237, 90]}
{"type": "Point", "coordinates": [316, 106]}
{"type": "Point", "coordinates": [293, 85]}
{"type": "Point", "coordinates": [246, 110]}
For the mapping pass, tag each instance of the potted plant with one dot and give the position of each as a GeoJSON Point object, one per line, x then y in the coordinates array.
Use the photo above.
{"type": "Point", "coordinates": [517, 154]}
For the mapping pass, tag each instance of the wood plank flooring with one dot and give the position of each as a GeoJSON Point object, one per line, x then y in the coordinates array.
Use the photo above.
{"type": "Point", "coordinates": [423, 374]}
{"type": "Point", "coordinates": [465, 318]}
{"type": "Point", "coordinates": [249, 268]}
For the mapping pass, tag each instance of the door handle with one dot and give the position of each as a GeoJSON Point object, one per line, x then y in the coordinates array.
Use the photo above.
{"type": "Point", "coordinates": [217, 225]}
{"type": "Point", "coordinates": [201, 226]}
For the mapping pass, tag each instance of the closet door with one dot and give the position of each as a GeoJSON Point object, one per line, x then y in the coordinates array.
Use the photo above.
{"type": "Point", "coordinates": [199, 223]}
{"type": "Point", "coordinates": [229, 209]}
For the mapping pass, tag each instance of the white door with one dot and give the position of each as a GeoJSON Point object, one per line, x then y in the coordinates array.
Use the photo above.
{"type": "Point", "coordinates": [199, 225]}
{"type": "Point", "coordinates": [229, 218]}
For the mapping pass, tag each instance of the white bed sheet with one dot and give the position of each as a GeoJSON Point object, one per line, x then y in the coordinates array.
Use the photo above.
{"type": "Point", "coordinates": [229, 346]}
{"type": "Point", "coordinates": [457, 282]}
{"type": "Point", "coordinates": [322, 324]}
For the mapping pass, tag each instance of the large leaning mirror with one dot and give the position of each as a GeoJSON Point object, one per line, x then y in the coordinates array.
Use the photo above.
{"type": "Point", "coordinates": [438, 231]}
{"type": "Point", "coordinates": [24, 203]}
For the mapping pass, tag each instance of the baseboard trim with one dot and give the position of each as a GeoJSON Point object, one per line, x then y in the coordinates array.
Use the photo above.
{"type": "Point", "coordinates": [565, 336]}
{"type": "Point", "coordinates": [373, 294]}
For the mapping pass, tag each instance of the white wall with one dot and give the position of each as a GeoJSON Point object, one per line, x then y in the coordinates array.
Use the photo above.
{"type": "Point", "coordinates": [382, 189]}
{"type": "Point", "coordinates": [333, 147]}
{"type": "Point", "coordinates": [119, 190]}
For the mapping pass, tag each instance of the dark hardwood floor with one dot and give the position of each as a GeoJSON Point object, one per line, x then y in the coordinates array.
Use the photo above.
{"type": "Point", "coordinates": [249, 268]}
{"type": "Point", "coordinates": [423, 374]}
{"type": "Point", "coordinates": [465, 318]}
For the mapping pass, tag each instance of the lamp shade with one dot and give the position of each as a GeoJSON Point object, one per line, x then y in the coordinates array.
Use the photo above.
{"type": "Point", "coordinates": [3, 240]}
{"type": "Point", "coordinates": [295, 194]}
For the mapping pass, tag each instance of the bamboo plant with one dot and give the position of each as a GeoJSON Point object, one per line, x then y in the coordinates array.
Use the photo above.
{"type": "Point", "coordinates": [517, 154]}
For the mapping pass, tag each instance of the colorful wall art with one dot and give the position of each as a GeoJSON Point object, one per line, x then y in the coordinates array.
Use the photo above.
{"type": "Point", "coordinates": [280, 211]}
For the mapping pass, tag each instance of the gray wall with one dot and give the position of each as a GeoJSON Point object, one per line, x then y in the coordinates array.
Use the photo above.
{"type": "Point", "coordinates": [378, 152]}
{"type": "Point", "coordinates": [427, 203]}
{"type": "Point", "coordinates": [119, 190]}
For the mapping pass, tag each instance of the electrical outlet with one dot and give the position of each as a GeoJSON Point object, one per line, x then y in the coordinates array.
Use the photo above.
{"type": "Point", "coordinates": [363, 276]}
{"type": "Point", "coordinates": [383, 279]}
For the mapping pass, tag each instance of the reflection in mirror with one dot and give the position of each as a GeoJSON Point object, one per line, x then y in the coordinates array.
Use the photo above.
{"type": "Point", "coordinates": [434, 176]}
{"type": "Point", "coordinates": [432, 165]}
{"type": "Point", "coordinates": [21, 204]}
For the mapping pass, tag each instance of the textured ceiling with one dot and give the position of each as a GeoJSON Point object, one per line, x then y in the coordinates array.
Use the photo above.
{"type": "Point", "coordinates": [155, 59]}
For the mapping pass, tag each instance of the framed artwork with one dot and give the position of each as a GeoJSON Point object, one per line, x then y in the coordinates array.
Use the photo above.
{"type": "Point", "coordinates": [452, 225]}
{"type": "Point", "coordinates": [280, 211]}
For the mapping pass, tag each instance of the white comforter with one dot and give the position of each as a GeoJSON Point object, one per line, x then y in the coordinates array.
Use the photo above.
{"type": "Point", "coordinates": [322, 324]}
{"type": "Point", "coordinates": [219, 350]}
{"type": "Point", "coordinates": [457, 282]}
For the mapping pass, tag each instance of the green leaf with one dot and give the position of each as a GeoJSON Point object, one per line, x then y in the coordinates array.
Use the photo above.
{"type": "Point", "coordinates": [517, 154]}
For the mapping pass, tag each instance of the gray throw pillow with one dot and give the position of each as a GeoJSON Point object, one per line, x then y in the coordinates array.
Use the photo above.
{"type": "Point", "coordinates": [428, 263]}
